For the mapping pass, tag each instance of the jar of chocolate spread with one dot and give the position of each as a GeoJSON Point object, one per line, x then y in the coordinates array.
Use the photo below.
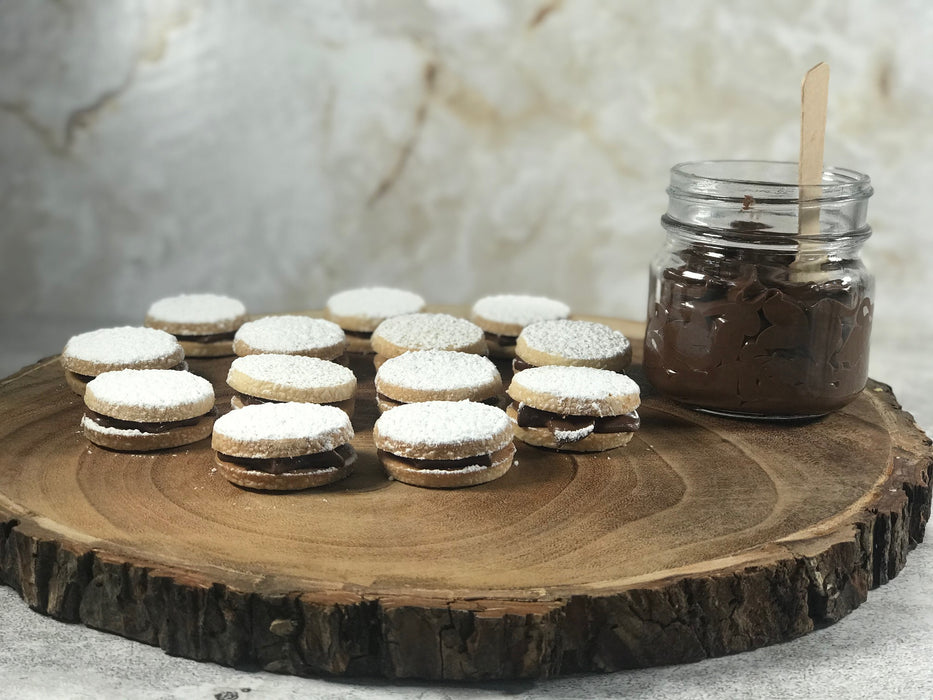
{"type": "Point", "coordinates": [748, 315]}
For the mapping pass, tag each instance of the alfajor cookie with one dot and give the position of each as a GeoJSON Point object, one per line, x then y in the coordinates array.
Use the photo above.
{"type": "Point", "coordinates": [360, 311]}
{"type": "Point", "coordinates": [426, 331]}
{"type": "Point", "coordinates": [203, 323]}
{"type": "Point", "coordinates": [577, 409]}
{"type": "Point", "coordinates": [291, 335]}
{"type": "Point", "coordinates": [284, 446]}
{"type": "Point", "coordinates": [270, 378]}
{"type": "Point", "coordinates": [109, 349]}
{"type": "Point", "coordinates": [444, 444]}
{"type": "Point", "coordinates": [503, 317]}
{"type": "Point", "coordinates": [573, 343]}
{"type": "Point", "coordinates": [137, 410]}
{"type": "Point", "coordinates": [436, 375]}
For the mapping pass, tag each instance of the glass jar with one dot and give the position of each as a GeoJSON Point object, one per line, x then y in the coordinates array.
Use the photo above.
{"type": "Point", "coordinates": [748, 315]}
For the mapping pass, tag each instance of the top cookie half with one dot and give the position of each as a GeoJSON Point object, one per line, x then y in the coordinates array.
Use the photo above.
{"type": "Point", "coordinates": [575, 343]}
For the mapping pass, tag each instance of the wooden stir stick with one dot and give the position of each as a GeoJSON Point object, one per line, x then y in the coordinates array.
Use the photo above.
{"type": "Point", "coordinates": [814, 94]}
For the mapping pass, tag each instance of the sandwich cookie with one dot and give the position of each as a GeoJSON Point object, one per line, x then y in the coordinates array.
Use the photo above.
{"type": "Point", "coordinates": [424, 331]}
{"type": "Point", "coordinates": [109, 349]}
{"type": "Point", "coordinates": [444, 444]}
{"type": "Point", "coordinates": [291, 335]}
{"type": "Point", "coordinates": [360, 311]}
{"type": "Point", "coordinates": [284, 446]}
{"type": "Point", "coordinates": [575, 343]}
{"type": "Point", "coordinates": [271, 378]}
{"type": "Point", "coordinates": [576, 409]}
{"type": "Point", "coordinates": [503, 317]}
{"type": "Point", "coordinates": [137, 410]}
{"type": "Point", "coordinates": [436, 375]}
{"type": "Point", "coordinates": [203, 323]}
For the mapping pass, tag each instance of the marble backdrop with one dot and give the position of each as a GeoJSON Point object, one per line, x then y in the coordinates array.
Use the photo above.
{"type": "Point", "coordinates": [283, 150]}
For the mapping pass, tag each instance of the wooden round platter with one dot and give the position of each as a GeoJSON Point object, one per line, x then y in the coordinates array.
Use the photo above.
{"type": "Point", "coordinates": [704, 536]}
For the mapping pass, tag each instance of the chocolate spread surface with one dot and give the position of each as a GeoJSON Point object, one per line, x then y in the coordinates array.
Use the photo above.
{"type": "Point", "coordinates": [758, 337]}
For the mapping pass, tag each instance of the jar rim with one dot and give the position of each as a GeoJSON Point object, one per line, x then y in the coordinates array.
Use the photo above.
{"type": "Point", "coordinates": [771, 180]}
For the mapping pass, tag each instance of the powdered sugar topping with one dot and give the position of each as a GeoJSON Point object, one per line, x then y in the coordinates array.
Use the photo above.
{"type": "Point", "coordinates": [519, 309]}
{"type": "Point", "coordinates": [374, 303]}
{"type": "Point", "coordinates": [290, 334]}
{"type": "Point", "coordinates": [437, 370]}
{"type": "Point", "coordinates": [197, 309]}
{"type": "Point", "coordinates": [161, 393]}
{"type": "Point", "coordinates": [469, 469]}
{"type": "Point", "coordinates": [578, 340]}
{"type": "Point", "coordinates": [125, 345]}
{"type": "Point", "coordinates": [428, 331]}
{"type": "Point", "coordinates": [576, 383]}
{"type": "Point", "coordinates": [563, 436]}
{"type": "Point", "coordinates": [293, 371]}
{"type": "Point", "coordinates": [443, 423]}
{"type": "Point", "coordinates": [326, 426]}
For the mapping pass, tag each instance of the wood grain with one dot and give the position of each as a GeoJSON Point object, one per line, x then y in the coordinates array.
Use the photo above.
{"type": "Point", "coordinates": [703, 537]}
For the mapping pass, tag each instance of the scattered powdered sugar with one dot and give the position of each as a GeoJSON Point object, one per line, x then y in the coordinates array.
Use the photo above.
{"type": "Point", "coordinates": [160, 391]}
{"type": "Point", "coordinates": [130, 345]}
{"type": "Point", "coordinates": [374, 302]}
{"type": "Point", "coordinates": [287, 421]}
{"type": "Point", "coordinates": [581, 340]}
{"type": "Point", "coordinates": [574, 435]}
{"type": "Point", "coordinates": [437, 370]}
{"type": "Point", "coordinates": [520, 309]}
{"type": "Point", "coordinates": [430, 331]}
{"type": "Point", "coordinates": [439, 423]}
{"type": "Point", "coordinates": [290, 334]}
{"type": "Point", "coordinates": [197, 309]}
{"type": "Point", "coordinates": [295, 371]}
{"type": "Point", "coordinates": [578, 383]}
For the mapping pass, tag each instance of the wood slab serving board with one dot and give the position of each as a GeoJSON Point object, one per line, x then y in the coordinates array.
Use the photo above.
{"type": "Point", "coordinates": [704, 536]}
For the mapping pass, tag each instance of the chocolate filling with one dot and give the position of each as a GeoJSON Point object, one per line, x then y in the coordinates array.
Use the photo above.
{"type": "Point", "coordinates": [331, 459]}
{"type": "Point", "coordinates": [491, 401]}
{"type": "Point", "coordinates": [207, 337]}
{"type": "Point", "coordinates": [146, 427]}
{"type": "Point", "coordinates": [447, 464]}
{"type": "Point", "coordinates": [504, 341]}
{"type": "Point", "coordinates": [85, 378]}
{"type": "Point", "coordinates": [528, 417]}
{"type": "Point", "coordinates": [738, 333]}
{"type": "Point", "coordinates": [519, 364]}
{"type": "Point", "coordinates": [248, 400]}
{"type": "Point", "coordinates": [363, 335]}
